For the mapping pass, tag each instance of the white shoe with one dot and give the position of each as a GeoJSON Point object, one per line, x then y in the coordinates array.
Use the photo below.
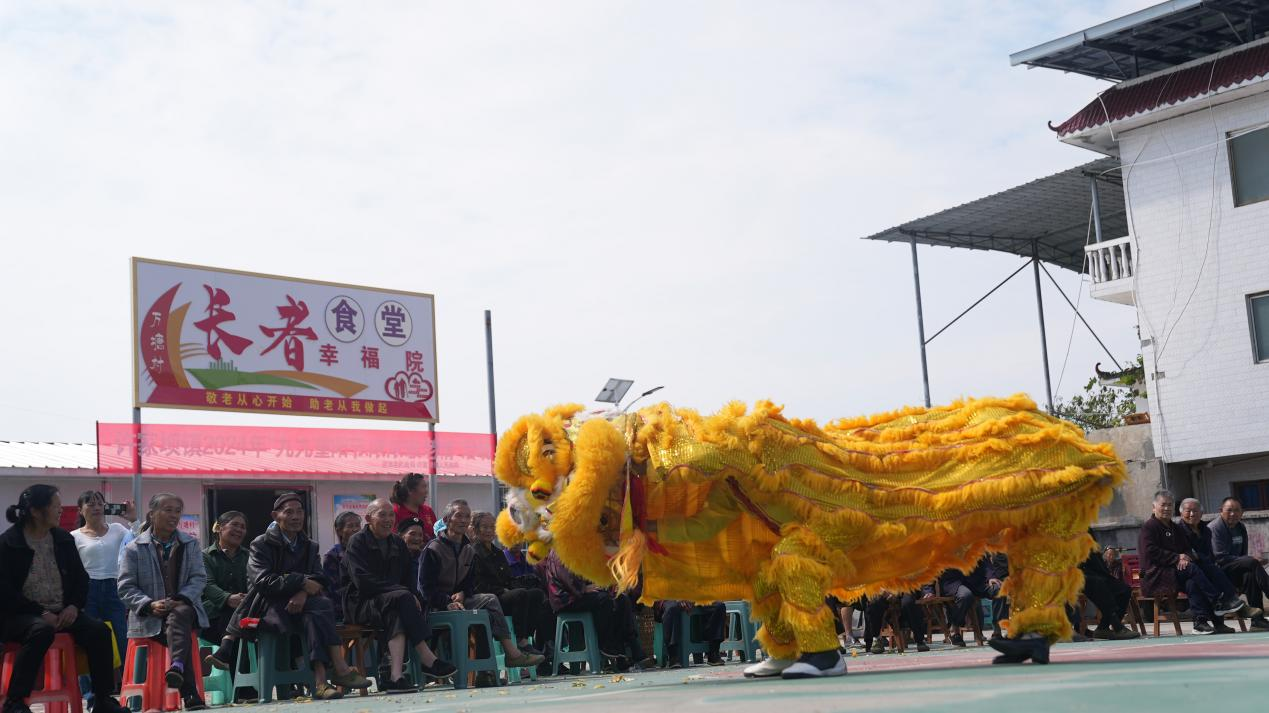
{"type": "Point", "coordinates": [803, 669]}
{"type": "Point", "coordinates": [768, 668]}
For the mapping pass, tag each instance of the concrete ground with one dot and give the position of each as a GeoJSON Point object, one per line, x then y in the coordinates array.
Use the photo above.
{"type": "Point", "coordinates": [1230, 673]}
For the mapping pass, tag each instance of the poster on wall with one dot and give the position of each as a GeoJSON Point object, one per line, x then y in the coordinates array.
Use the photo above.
{"type": "Point", "coordinates": [191, 525]}
{"type": "Point", "coordinates": [352, 503]}
{"type": "Point", "coordinates": [224, 340]}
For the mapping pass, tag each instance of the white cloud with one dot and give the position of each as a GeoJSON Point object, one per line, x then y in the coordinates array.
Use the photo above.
{"type": "Point", "coordinates": [671, 192]}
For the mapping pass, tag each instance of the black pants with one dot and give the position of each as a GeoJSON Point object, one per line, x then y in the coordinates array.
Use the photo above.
{"type": "Point", "coordinates": [316, 620]}
{"type": "Point", "coordinates": [967, 597]}
{"type": "Point", "coordinates": [1248, 577]}
{"type": "Point", "coordinates": [910, 615]}
{"type": "Point", "coordinates": [713, 624]}
{"type": "Point", "coordinates": [1111, 597]}
{"type": "Point", "coordinates": [35, 637]}
{"type": "Point", "coordinates": [178, 636]}
{"type": "Point", "coordinates": [530, 614]}
{"type": "Point", "coordinates": [603, 610]}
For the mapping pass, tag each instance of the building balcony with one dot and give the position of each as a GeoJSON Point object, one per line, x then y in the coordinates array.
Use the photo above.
{"type": "Point", "coordinates": [1112, 264]}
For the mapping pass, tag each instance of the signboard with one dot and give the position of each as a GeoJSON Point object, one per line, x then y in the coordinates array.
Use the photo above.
{"type": "Point", "coordinates": [191, 524]}
{"type": "Point", "coordinates": [352, 503]}
{"type": "Point", "coordinates": [223, 340]}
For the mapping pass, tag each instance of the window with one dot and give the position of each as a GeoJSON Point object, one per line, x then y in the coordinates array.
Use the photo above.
{"type": "Point", "coordinates": [1254, 494]}
{"type": "Point", "coordinates": [1258, 316]}
{"type": "Point", "coordinates": [1249, 165]}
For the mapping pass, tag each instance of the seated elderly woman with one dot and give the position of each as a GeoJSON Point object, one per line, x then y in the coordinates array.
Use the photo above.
{"type": "Point", "coordinates": [161, 581]}
{"type": "Point", "coordinates": [381, 592]}
{"type": "Point", "coordinates": [614, 618]}
{"type": "Point", "coordinates": [43, 591]}
{"type": "Point", "coordinates": [226, 565]}
{"type": "Point", "coordinates": [447, 579]}
{"type": "Point", "coordinates": [347, 523]}
{"type": "Point", "coordinates": [522, 598]}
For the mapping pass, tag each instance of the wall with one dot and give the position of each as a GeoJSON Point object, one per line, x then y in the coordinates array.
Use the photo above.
{"type": "Point", "coordinates": [1119, 521]}
{"type": "Point", "coordinates": [1198, 257]}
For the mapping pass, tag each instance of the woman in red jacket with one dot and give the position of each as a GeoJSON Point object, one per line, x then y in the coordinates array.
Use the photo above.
{"type": "Point", "coordinates": [409, 499]}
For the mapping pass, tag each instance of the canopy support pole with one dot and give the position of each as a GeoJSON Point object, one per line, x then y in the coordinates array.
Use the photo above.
{"type": "Point", "coordinates": [1097, 209]}
{"type": "Point", "coordinates": [1044, 342]}
{"type": "Point", "coordinates": [916, 282]}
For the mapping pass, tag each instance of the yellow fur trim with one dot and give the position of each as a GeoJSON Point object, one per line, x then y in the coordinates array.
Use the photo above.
{"type": "Point", "coordinates": [508, 533]}
{"type": "Point", "coordinates": [601, 456]}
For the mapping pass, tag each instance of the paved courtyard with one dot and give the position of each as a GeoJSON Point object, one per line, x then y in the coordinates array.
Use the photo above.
{"type": "Point", "coordinates": [1190, 673]}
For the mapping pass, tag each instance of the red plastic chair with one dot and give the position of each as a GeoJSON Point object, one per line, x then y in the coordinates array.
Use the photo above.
{"type": "Point", "coordinates": [153, 690]}
{"type": "Point", "coordinates": [60, 692]}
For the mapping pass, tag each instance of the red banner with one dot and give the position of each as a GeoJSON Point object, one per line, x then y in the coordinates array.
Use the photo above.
{"type": "Point", "coordinates": [187, 450]}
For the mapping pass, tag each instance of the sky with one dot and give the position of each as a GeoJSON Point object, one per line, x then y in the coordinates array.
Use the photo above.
{"type": "Point", "coordinates": [670, 192]}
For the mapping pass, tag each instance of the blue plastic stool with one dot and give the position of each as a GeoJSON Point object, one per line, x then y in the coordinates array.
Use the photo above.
{"type": "Point", "coordinates": [459, 624]}
{"type": "Point", "coordinates": [217, 684]}
{"type": "Point", "coordinates": [687, 647]}
{"type": "Point", "coordinates": [513, 674]}
{"type": "Point", "coordinates": [742, 635]}
{"type": "Point", "coordinates": [264, 670]}
{"type": "Point", "coordinates": [564, 651]}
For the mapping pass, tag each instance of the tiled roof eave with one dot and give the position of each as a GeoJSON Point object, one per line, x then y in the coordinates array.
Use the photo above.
{"type": "Point", "coordinates": [1144, 116]}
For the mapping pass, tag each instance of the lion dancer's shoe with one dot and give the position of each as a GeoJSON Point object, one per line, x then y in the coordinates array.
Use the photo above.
{"type": "Point", "coordinates": [821, 664]}
{"type": "Point", "coordinates": [1028, 646]}
{"type": "Point", "coordinates": [768, 668]}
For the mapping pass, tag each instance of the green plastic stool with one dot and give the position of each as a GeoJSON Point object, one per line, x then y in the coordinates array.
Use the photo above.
{"type": "Point", "coordinates": [742, 635]}
{"type": "Point", "coordinates": [564, 651]}
{"type": "Point", "coordinates": [264, 671]}
{"type": "Point", "coordinates": [460, 624]}
{"type": "Point", "coordinates": [687, 648]}
{"type": "Point", "coordinates": [513, 674]}
{"type": "Point", "coordinates": [217, 684]}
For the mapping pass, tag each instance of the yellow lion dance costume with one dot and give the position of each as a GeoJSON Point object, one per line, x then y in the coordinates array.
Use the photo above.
{"type": "Point", "coordinates": [749, 504]}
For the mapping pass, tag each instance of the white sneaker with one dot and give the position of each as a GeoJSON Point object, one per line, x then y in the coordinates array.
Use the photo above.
{"type": "Point", "coordinates": [805, 669]}
{"type": "Point", "coordinates": [768, 668]}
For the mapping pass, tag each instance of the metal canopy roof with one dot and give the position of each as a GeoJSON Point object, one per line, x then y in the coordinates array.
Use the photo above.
{"type": "Point", "coordinates": [1053, 213]}
{"type": "Point", "coordinates": [1153, 39]}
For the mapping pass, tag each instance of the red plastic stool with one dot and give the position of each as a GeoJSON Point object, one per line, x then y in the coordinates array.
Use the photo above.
{"type": "Point", "coordinates": [61, 676]}
{"type": "Point", "coordinates": [153, 688]}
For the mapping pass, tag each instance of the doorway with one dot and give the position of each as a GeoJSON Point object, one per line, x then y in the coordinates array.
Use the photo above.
{"type": "Point", "coordinates": [254, 502]}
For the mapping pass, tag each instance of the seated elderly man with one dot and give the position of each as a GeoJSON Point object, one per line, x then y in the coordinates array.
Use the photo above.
{"type": "Point", "coordinates": [1109, 594]}
{"type": "Point", "coordinates": [287, 593]}
{"type": "Point", "coordinates": [910, 615]}
{"type": "Point", "coordinates": [713, 628]}
{"type": "Point", "coordinates": [983, 582]}
{"type": "Point", "coordinates": [1245, 571]}
{"type": "Point", "coordinates": [447, 577]}
{"type": "Point", "coordinates": [617, 628]}
{"type": "Point", "coordinates": [1200, 536]}
{"type": "Point", "coordinates": [1169, 564]}
{"type": "Point", "coordinates": [380, 592]}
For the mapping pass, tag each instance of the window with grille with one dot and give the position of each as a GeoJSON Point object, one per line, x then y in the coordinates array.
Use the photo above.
{"type": "Point", "coordinates": [1253, 494]}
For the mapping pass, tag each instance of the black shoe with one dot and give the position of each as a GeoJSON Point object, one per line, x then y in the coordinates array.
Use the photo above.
{"type": "Point", "coordinates": [1220, 628]}
{"type": "Point", "coordinates": [401, 685]}
{"type": "Point", "coordinates": [174, 678]}
{"type": "Point", "coordinates": [486, 679]}
{"type": "Point", "coordinates": [1260, 623]}
{"type": "Point", "coordinates": [15, 706]}
{"type": "Point", "coordinates": [1203, 626]}
{"type": "Point", "coordinates": [1018, 650]}
{"type": "Point", "coordinates": [439, 669]}
{"type": "Point", "coordinates": [922, 646]}
{"type": "Point", "coordinates": [1122, 633]}
{"type": "Point", "coordinates": [106, 705]}
{"type": "Point", "coordinates": [958, 640]}
{"type": "Point", "coordinates": [193, 702]}
{"type": "Point", "coordinates": [714, 659]}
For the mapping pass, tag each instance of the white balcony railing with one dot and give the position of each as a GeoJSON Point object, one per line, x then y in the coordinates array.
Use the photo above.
{"type": "Point", "coordinates": [1111, 265]}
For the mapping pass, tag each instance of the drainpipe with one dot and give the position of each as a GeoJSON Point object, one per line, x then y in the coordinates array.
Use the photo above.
{"type": "Point", "coordinates": [1196, 477]}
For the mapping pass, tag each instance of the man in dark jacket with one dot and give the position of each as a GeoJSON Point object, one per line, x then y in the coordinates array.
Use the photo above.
{"type": "Point", "coordinates": [43, 591]}
{"type": "Point", "coordinates": [522, 598]}
{"type": "Point", "coordinates": [910, 614]}
{"type": "Point", "coordinates": [287, 595]}
{"type": "Point", "coordinates": [1246, 572]}
{"type": "Point", "coordinates": [983, 582]}
{"type": "Point", "coordinates": [1109, 594]}
{"type": "Point", "coordinates": [1170, 564]}
{"type": "Point", "coordinates": [1200, 537]}
{"type": "Point", "coordinates": [614, 618]}
{"type": "Point", "coordinates": [381, 592]}
{"type": "Point", "coordinates": [447, 579]}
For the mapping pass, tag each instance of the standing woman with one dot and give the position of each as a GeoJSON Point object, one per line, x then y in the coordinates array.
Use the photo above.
{"type": "Point", "coordinates": [226, 563]}
{"type": "Point", "coordinates": [347, 524]}
{"type": "Point", "coordinates": [161, 581]}
{"type": "Point", "coordinates": [409, 499]}
{"type": "Point", "coordinates": [43, 591]}
{"type": "Point", "coordinates": [100, 543]}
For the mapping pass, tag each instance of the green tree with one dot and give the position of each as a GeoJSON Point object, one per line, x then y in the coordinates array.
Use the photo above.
{"type": "Point", "coordinates": [1107, 399]}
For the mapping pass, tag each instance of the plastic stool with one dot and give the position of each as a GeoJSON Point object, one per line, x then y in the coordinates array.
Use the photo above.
{"type": "Point", "coordinates": [741, 632]}
{"type": "Point", "coordinates": [152, 686]}
{"type": "Point", "coordinates": [61, 676]}
{"type": "Point", "coordinates": [264, 671]}
{"type": "Point", "coordinates": [460, 624]}
{"type": "Point", "coordinates": [513, 674]}
{"type": "Point", "coordinates": [686, 648]}
{"type": "Point", "coordinates": [564, 652]}
{"type": "Point", "coordinates": [218, 684]}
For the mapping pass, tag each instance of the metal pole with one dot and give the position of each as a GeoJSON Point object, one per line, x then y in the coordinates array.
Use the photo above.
{"type": "Point", "coordinates": [136, 477]}
{"type": "Point", "coordinates": [493, 412]}
{"type": "Point", "coordinates": [1044, 342]}
{"type": "Point", "coordinates": [916, 281]}
{"type": "Point", "coordinates": [1097, 209]}
{"type": "Point", "coordinates": [431, 449]}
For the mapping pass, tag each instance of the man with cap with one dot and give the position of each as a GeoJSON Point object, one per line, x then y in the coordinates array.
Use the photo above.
{"type": "Point", "coordinates": [380, 583]}
{"type": "Point", "coordinates": [288, 593]}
